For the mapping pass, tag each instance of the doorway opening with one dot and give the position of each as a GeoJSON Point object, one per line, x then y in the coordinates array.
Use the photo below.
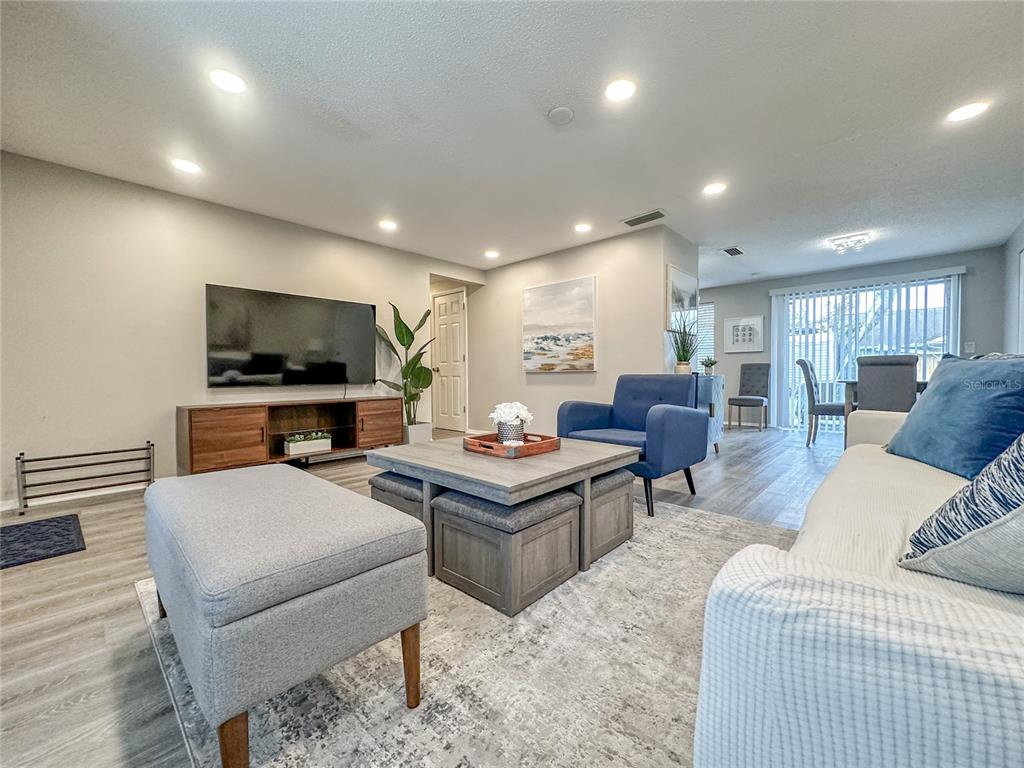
{"type": "Point", "coordinates": [449, 354]}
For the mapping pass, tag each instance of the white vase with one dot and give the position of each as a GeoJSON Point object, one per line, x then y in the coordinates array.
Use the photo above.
{"type": "Point", "coordinates": [684, 368]}
{"type": "Point", "coordinates": [420, 432]}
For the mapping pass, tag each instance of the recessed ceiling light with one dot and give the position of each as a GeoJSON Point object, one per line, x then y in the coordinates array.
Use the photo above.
{"type": "Point", "coordinates": [967, 111]}
{"type": "Point", "coordinates": [228, 81]}
{"type": "Point", "coordinates": [185, 166]}
{"type": "Point", "coordinates": [854, 242]}
{"type": "Point", "coordinates": [582, 227]}
{"type": "Point", "coordinates": [560, 115]}
{"type": "Point", "coordinates": [715, 188]}
{"type": "Point", "coordinates": [620, 90]}
{"type": "Point", "coordinates": [491, 254]}
{"type": "Point", "coordinates": [387, 225]}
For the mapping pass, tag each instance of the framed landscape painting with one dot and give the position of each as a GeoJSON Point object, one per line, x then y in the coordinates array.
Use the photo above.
{"type": "Point", "coordinates": [559, 326]}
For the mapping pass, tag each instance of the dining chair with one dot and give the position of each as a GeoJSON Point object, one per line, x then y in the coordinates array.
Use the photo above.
{"type": "Point", "coordinates": [753, 393]}
{"type": "Point", "coordinates": [816, 409]}
{"type": "Point", "coordinates": [886, 382]}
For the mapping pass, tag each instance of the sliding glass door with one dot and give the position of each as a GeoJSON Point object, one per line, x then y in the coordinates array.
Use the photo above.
{"type": "Point", "coordinates": [831, 326]}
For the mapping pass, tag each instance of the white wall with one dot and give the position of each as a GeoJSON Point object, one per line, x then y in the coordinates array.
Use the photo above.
{"type": "Point", "coordinates": [1014, 322]}
{"type": "Point", "coordinates": [103, 311]}
{"type": "Point", "coordinates": [630, 272]}
{"type": "Point", "coordinates": [981, 303]}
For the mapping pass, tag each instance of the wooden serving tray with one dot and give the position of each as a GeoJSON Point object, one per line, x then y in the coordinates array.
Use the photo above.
{"type": "Point", "coordinates": [532, 445]}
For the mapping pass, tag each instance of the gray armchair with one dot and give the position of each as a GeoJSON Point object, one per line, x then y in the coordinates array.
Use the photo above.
{"type": "Point", "coordinates": [886, 382]}
{"type": "Point", "coordinates": [754, 384]}
{"type": "Point", "coordinates": [816, 409]}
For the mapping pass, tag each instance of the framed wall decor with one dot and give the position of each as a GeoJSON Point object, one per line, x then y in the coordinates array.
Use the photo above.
{"type": "Point", "coordinates": [744, 334]}
{"type": "Point", "coordinates": [560, 326]}
{"type": "Point", "coordinates": [680, 296]}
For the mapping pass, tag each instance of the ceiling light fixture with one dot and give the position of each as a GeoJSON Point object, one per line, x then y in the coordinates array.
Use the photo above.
{"type": "Point", "coordinates": [185, 166]}
{"type": "Point", "coordinates": [715, 188]}
{"type": "Point", "coordinates": [228, 81]}
{"type": "Point", "coordinates": [387, 225]}
{"type": "Point", "coordinates": [491, 254]}
{"type": "Point", "coordinates": [583, 227]}
{"type": "Point", "coordinates": [620, 90]}
{"type": "Point", "coordinates": [854, 242]}
{"type": "Point", "coordinates": [967, 111]}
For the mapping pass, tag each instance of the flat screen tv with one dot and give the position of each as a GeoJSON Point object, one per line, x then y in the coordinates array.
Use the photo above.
{"type": "Point", "coordinates": [260, 338]}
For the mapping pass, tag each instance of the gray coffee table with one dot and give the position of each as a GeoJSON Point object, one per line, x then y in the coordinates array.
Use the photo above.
{"type": "Point", "coordinates": [445, 465]}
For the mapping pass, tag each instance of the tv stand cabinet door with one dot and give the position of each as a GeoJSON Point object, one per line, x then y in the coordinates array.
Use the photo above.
{"type": "Point", "coordinates": [228, 437]}
{"type": "Point", "coordinates": [378, 422]}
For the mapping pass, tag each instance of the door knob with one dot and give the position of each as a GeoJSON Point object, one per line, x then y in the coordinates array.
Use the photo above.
{"type": "Point", "coordinates": [435, 369]}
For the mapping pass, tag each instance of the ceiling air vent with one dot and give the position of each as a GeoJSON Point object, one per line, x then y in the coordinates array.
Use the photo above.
{"type": "Point", "coordinates": [732, 251]}
{"type": "Point", "coordinates": [644, 218]}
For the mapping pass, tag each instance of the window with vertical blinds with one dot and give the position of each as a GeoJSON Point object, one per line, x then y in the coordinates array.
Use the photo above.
{"type": "Point", "coordinates": [705, 334]}
{"type": "Point", "coordinates": [831, 326]}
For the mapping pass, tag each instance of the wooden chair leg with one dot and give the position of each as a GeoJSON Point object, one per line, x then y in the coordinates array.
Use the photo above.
{"type": "Point", "coordinates": [161, 611]}
{"type": "Point", "coordinates": [810, 428]}
{"type": "Point", "coordinates": [649, 496]}
{"type": "Point", "coordinates": [411, 665]}
{"type": "Point", "coordinates": [234, 742]}
{"type": "Point", "coordinates": [730, 418]}
{"type": "Point", "coordinates": [766, 417]}
{"type": "Point", "coordinates": [814, 437]}
{"type": "Point", "coordinates": [760, 418]}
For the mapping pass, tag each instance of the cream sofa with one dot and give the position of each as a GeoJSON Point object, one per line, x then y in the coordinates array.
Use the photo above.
{"type": "Point", "coordinates": [831, 655]}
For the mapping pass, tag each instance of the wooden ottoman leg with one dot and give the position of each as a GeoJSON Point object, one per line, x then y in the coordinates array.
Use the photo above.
{"type": "Point", "coordinates": [411, 664]}
{"type": "Point", "coordinates": [234, 742]}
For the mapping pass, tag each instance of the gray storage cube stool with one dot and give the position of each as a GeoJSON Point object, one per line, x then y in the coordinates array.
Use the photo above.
{"type": "Point", "coordinates": [406, 494]}
{"type": "Point", "coordinates": [270, 575]}
{"type": "Point", "coordinates": [610, 520]}
{"type": "Point", "coordinates": [508, 557]}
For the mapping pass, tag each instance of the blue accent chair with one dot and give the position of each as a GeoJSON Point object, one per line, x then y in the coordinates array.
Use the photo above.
{"type": "Point", "coordinates": [654, 413]}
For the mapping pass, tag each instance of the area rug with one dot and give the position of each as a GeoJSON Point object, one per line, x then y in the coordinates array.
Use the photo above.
{"type": "Point", "coordinates": [602, 671]}
{"type": "Point", "coordinates": [39, 540]}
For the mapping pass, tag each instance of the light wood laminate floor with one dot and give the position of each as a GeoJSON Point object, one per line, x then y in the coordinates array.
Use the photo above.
{"type": "Point", "coordinates": [79, 682]}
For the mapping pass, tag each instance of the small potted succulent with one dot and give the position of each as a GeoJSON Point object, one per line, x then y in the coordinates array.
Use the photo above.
{"type": "Point", "coordinates": [709, 364]}
{"type": "Point", "coordinates": [510, 419]}
{"type": "Point", "coordinates": [305, 443]}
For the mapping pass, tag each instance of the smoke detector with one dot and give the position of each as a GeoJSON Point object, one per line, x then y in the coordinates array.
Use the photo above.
{"type": "Point", "coordinates": [560, 115]}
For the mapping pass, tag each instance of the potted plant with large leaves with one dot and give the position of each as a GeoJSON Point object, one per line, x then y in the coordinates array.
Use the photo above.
{"type": "Point", "coordinates": [416, 377]}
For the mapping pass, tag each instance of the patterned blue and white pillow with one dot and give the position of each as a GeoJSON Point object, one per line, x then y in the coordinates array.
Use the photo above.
{"type": "Point", "coordinates": [977, 537]}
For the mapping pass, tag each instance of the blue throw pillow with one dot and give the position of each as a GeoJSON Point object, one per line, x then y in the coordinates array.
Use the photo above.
{"type": "Point", "coordinates": [978, 535]}
{"type": "Point", "coordinates": [969, 414]}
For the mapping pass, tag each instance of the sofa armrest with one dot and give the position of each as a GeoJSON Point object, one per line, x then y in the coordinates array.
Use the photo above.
{"type": "Point", "coordinates": [873, 427]}
{"type": "Point", "coordinates": [677, 437]}
{"type": "Point", "coordinates": [576, 414]}
{"type": "Point", "coordinates": [808, 665]}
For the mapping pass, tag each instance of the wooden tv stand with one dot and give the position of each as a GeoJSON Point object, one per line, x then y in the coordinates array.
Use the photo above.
{"type": "Point", "coordinates": [233, 435]}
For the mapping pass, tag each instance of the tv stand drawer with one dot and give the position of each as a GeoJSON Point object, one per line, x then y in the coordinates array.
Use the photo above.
{"type": "Point", "coordinates": [228, 437]}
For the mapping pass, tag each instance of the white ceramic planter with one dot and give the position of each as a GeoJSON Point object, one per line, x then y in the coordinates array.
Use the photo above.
{"type": "Point", "coordinates": [684, 368]}
{"type": "Point", "coordinates": [420, 432]}
{"type": "Point", "coordinates": [307, 447]}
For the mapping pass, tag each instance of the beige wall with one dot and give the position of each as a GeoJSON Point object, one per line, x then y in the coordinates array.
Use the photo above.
{"type": "Point", "coordinates": [630, 272]}
{"type": "Point", "coordinates": [1013, 338]}
{"type": "Point", "coordinates": [981, 303]}
{"type": "Point", "coordinates": [103, 304]}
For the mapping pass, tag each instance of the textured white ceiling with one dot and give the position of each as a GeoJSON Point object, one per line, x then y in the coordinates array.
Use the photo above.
{"type": "Point", "coordinates": [824, 118]}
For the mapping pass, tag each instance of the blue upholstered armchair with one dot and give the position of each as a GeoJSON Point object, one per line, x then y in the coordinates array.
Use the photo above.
{"type": "Point", "coordinates": [654, 413]}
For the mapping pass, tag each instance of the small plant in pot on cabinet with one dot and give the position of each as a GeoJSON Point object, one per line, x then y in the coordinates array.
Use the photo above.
{"type": "Point", "coordinates": [511, 419]}
{"type": "Point", "coordinates": [709, 364]}
{"type": "Point", "coordinates": [416, 377]}
{"type": "Point", "coordinates": [684, 342]}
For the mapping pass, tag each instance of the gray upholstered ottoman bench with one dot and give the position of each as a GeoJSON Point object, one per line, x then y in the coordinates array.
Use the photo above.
{"type": "Point", "coordinates": [609, 522]}
{"type": "Point", "coordinates": [508, 557]}
{"type": "Point", "coordinates": [270, 575]}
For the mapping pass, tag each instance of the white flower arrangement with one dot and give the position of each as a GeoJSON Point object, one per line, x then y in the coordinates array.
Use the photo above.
{"type": "Point", "coordinates": [511, 413]}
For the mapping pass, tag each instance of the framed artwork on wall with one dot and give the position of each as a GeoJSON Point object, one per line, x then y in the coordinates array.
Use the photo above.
{"type": "Point", "coordinates": [680, 296]}
{"type": "Point", "coordinates": [560, 326]}
{"type": "Point", "coordinates": [744, 334]}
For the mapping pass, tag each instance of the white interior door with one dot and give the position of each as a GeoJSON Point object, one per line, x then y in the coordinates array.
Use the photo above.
{"type": "Point", "coordinates": [448, 357]}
